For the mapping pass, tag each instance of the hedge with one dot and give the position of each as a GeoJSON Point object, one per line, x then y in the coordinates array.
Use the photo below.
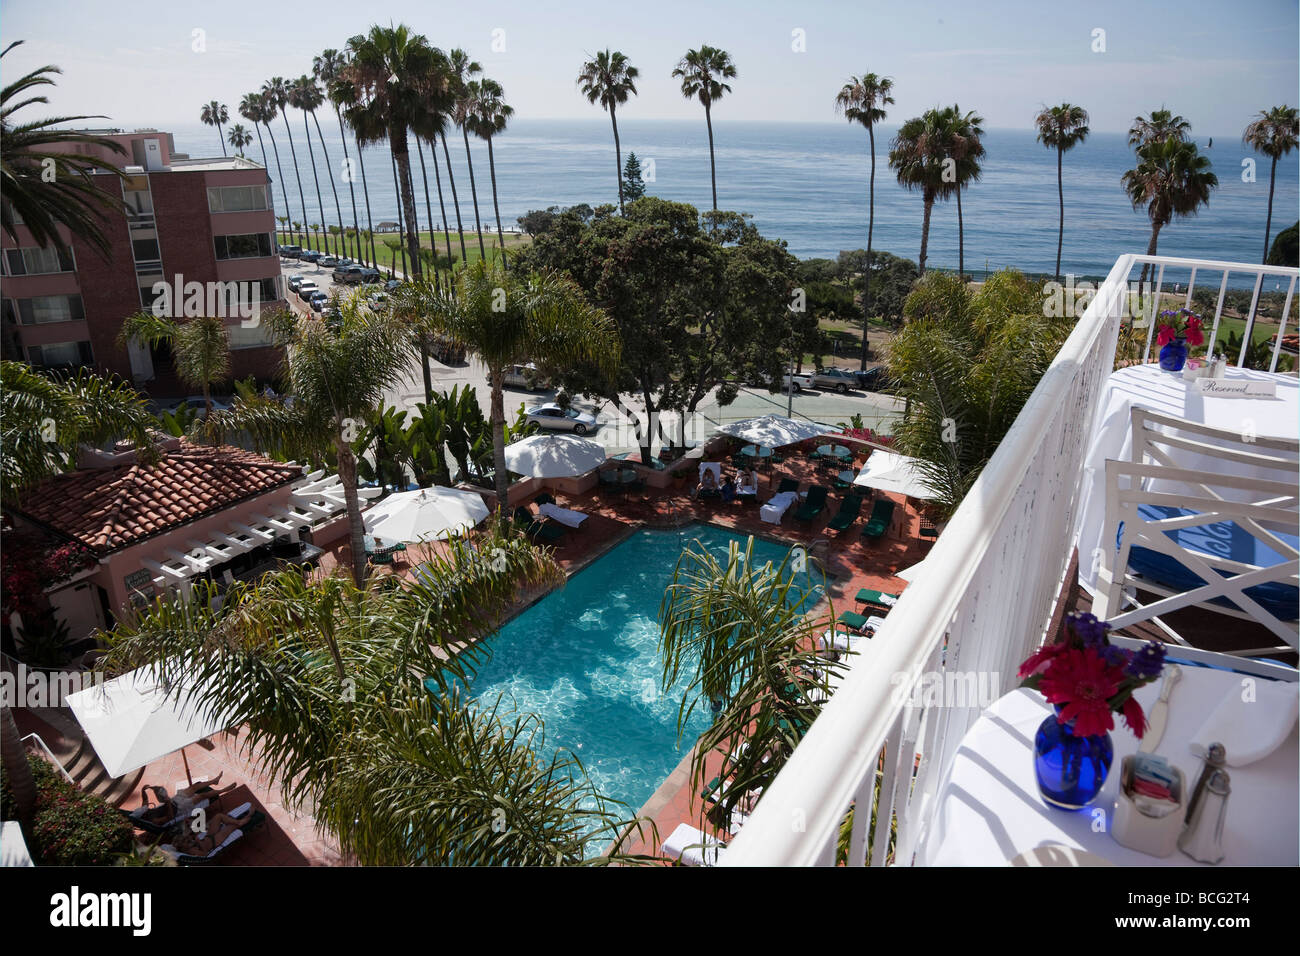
{"type": "Point", "coordinates": [71, 827]}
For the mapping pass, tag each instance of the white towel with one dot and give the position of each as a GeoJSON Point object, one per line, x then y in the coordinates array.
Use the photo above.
{"type": "Point", "coordinates": [1252, 720]}
{"type": "Point", "coordinates": [684, 844]}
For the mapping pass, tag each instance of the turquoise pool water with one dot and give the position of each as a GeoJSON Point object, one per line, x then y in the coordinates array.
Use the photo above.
{"type": "Point", "coordinates": [585, 659]}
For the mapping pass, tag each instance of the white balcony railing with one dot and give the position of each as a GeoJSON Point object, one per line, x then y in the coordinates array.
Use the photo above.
{"type": "Point", "coordinates": [982, 605]}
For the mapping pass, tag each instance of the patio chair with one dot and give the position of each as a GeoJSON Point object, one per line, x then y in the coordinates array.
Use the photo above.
{"type": "Point", "coordinates": [852, 619]}
{"type": "Point", "coordinates": [877, 600]}
{"type": "Point", "coordinates": [881, 515]}
{"type": "Point", "coordinates": [146, 816]}
{"type": "Point", "coordinates": [189, 859]}
{"type": "Point", "coordinates": [814, 504]}
{"type": "Point", "coordinates": [847, 514]}
{"type": "Point", "coordinates": [544, 531]}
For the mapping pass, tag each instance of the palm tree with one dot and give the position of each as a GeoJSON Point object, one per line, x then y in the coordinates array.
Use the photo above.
{"type": "Point", "coordinates": [1061, 128]}
{"type": "Point", "coordinates": [276, 90]}
{"type": "Point", "coordinates": [862, 100]}
{"type": "Point", "coordinates": [392, 82]}
{"type": "Point", "coordinates": [47, 419]}
{"type": "Point", "coordinates": [200, 348]}
{"type": "Point", "coordinates": [70, 197]}
{"type": "Point", "coordinates": [507, 318]}
{"type": "Point", "coordinates": [327, 68]}
{"type": "Point", "coordinates": [259, 110]}
{"type": "Point", "coordinates": [967, 148]}
{"type": "Point", "coordinates": [337, 374]}
{"type": "Point", "coordinates": [326, 675]}
{"type": "Point", "coordinates": [240, 137]}
{"type": "Point", "coordinates": [306, 96]}
{"type": "Point", "coordinates": [461, 68]}
{"type": "Point", "coordinates": [1171, 179]}
{"type": "Point", "coordinates": [701, 72]}
{"type": "Point", "coordinates": [609, 79]}
{"type": "Point", "coordinates": [1161, 125]}
{"type": "Point", "coordinates": [917, 156]}
{"type": "Point", "coordinates": [488, 116]}
{"type": "Point", "coordinates": [216, 114]}
{"type": "Point", "coordinates": [1273, 133]}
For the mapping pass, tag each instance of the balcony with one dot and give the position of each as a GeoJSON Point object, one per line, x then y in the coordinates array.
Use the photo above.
{"type": "Point", "coordinates": [991, 586]}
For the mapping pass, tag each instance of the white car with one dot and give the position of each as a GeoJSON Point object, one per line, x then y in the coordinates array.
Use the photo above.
{"type": "Point", "coordinates": [554, 417]}
{"type": "Point", "coordinates": [798, 381]}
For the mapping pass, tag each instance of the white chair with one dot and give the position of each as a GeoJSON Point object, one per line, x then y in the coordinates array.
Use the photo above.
{"type": "Point", "coordinates": [692, 847]}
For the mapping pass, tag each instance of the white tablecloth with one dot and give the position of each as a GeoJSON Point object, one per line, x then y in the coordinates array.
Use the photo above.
{"type": "Point", "coordinates": [775, 508]}
{"type": "Point", "coordinates": [1149, 386]}
{"type": "Point", "coordinates": [989, 811]}
{"type": "Point", "coordinates": [563, 515]}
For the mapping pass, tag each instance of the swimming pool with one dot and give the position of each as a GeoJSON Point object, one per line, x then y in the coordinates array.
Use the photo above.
{"type": "Point", "coordinates": [585, 659]}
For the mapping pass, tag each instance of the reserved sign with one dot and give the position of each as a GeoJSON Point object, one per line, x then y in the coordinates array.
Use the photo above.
{"type": "Point", "coordinates": [1236, 388]}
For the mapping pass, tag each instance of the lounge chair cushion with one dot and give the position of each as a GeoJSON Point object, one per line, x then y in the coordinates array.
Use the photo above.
{"type": "Point", "coordinates": [692, 847]}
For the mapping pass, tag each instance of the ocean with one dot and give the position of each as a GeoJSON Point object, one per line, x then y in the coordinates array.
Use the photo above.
{"type": "Point", "coordinates": [806, 183]}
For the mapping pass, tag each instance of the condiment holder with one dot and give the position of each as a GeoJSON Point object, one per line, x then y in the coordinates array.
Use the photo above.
{"type": "Point", "coordinates": [1134, 824]}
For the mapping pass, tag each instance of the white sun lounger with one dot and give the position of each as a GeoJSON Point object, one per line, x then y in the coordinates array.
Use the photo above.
{"type": "Point", "coordinates": [564, 516]}
{"type": "Point", "coordinates": [692, 847]}
{"type": "Point", "coordinates": [776, 506]}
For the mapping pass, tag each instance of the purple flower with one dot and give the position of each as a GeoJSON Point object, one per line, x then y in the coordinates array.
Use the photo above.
{"type": "Point", "coordinates": [1147, 662]}
{"type": "Point", "coordinates": [1088, 629]}
{"type": "Point", "coordinates": [1116, 656]}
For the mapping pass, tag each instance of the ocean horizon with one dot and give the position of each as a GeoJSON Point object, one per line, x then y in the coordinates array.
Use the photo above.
{"type": "Point", "coordinates": [806, 183]}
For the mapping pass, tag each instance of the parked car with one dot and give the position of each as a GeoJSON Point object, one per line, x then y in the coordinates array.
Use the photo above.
{"type": "Point", "coordinates": [348, 275]}
{"type": "Point", "coordinates": [525, 376]}
{"type": "Point", "coordinates": [310, 255]}
{"type": "Point", "coordinates": [369, 275]}
{"type": "Point", "coordinates": [328, 262]}
{"type": "Point", "coordinates": [290, 252]}
{"type": "Point", "coordinates": [317, 301]}
{"type": "Point", "coordinates": [875, 379]}
{"type": "Point", "coordinates": [306, 287]}
{"type": "Point", "coordinates": [554, 417]}
{"type": "Point", "coordinates": [392, 285]}
{"type": "Point", "coordinates": [841, 380]}
{"type": "Point", "coordinates": [295, 281]}
{"type": "Point", "coordinates": [799, 381]}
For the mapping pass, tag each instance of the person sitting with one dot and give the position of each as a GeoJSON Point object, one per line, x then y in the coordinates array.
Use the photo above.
{"type": "Point", "coordinates": [747, 487]}
{"type": "Point", "coordinates": [171, 808]}
{"type": "Point", "coordinates": [219, 828]}
{"type": "Point", "coordinates": [728, 489]}
{"type": "Point", "coordinates": [708, 485]}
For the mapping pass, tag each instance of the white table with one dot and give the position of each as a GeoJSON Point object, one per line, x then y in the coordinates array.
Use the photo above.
{"type": "Point", "coordinates": [1149, 386]}
{"type": "Point", "coordinates": [564, 516]}
{"type": "Point", "coordinates": [989, 810]}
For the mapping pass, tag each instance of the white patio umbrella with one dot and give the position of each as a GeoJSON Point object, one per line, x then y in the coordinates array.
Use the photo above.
{"type": "Point", "coordinates": [428, 514]}
{"type": "Point", "coordinates": [912, 573]}
{"type": "Point", "coordinates": [554, 456]}
{"type": "Point", "coordinates": [132, 721]}
{"type": "Point", "coordinates": [888, 471]}
{"type": "Point", "coordinates": [775, 431]}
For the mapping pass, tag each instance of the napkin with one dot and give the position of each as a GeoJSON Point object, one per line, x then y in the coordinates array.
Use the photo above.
{"type": "Point", "coordinates": [1251, 729]}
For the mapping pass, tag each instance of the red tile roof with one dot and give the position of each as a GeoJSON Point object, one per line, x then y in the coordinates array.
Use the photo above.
{"type": "Point", "coordinates": [108, 509]}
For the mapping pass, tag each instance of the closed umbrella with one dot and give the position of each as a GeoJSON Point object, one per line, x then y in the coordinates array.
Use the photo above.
{"type": "Point", "coordinates": [554, 456]}
{"type": "Point", "coordinates": [428, 514]}
{"type": "Point", "coordinates": [775, 431]}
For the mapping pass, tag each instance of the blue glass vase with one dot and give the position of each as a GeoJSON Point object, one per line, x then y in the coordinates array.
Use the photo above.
{"type": "Point", "coordinates": [1070, 770]}
{"type": "Point", "coordinates": [1174, 355]}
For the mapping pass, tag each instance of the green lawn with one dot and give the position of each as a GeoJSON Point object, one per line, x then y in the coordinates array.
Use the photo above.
{"type": "Point", "coordinates": [386, 255]}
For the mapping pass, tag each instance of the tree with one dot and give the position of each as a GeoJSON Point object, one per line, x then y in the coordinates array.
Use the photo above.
{"type": "Point", "coordinates": [46, 420]}
{"type": "Point", "coordinates": [967, 148]}
{"type": "Point", "coordinates": [276, 91]}
{"type": "Point", "coordinates": [917, 155]}
{"type": "Point", "coordinates": [239, 138]}
{"type": "Point", "coordinates": [489, 114]}
{"type": "Point", "coordinates": [964, 364]}
{"type": "Point", "coordinates": [216, 114]}
{"type": "Point", "coordinates": [337, 374]}
{"type": "Point", "coordinates": [258, 108]}
{"type": "Point", "coordinates": [1286, 247]}
{"type": "Point", "coordinates": [460, 69]}
{"type": "Point", "coordinates": [1161, 125]}
{"type": "Point", "coordinates": [200, 347]}
{"type": "Point", "coordinates": [609, 79]}
{"type": "Point", "coordinates": [327, 67]}
{"type": "Point", "coordinates": [1274, 133]}
{"type": "Point", "coordinates": [42, 188]}
{"type": "Point", "coordinates": [1061, 128]}
{"type": "Point", "coordinates": [507, 318]}
{"type": "Point", "coordinates": [862, 100]}
{"type": "Point", "coordinates": [701, 72]}
{"type": "Point", "coordinates": [633, 184]}
{"type": "Point", "coordinates": [327, 676]}
{"type": "Point", "coordinates": [892, 277]}
{"type": "Point", "coordinates": [307, 96]}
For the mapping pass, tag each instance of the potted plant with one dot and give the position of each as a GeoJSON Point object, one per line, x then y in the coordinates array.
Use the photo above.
{"type": "Point", "coordinates": [1175, 331]}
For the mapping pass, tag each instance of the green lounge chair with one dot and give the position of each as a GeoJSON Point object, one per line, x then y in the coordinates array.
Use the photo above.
{"type": "Point", "coordinates": [814, 504]}
{"type": "Point", "coordinates": [847, 514]}
{"type": "Point", "coordinates": [881, 515]}
{"type": "Point", "coordinates": [545, 531]}
{"type": "Point", "coordinates": [852, 619]}
{"type": "Point", "coordinates": [876, 599]}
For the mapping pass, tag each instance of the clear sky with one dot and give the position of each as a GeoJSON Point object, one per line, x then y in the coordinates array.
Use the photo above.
{"type": "Point", "coordinates": [1217, 63]}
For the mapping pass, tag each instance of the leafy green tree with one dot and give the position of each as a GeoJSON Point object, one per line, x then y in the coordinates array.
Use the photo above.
{"type": "Point", "coordinates": [609, 79]}
{"type": "Point", "coordinates": [965, 363]}
{"type": "Point", "coordinates": [921, 156]}
{"type": "Point", "coordinates": [633, 184]}
{"type": "Point", "coordinates": [200, 347]}
{"type": "Point", "coordinates": [1061, 128]}
{"type": "Point", "coordinates": [702, 72]}
{"type": "Point", "coordinates": [1274, 133]}
{"type": "Point", "coordinates": [44, 188]}
{"type": "Point", "coordinates": [1286, 247]}
{"type": "Point", "coordinates": [891, 275]}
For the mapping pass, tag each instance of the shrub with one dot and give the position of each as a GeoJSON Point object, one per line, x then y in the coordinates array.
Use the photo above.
{"type": "Point", "coordinates": [71, 827]}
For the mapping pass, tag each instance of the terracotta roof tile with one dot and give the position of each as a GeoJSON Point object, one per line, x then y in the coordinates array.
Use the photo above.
{"type": "Point", "coordinates": [109, 508]}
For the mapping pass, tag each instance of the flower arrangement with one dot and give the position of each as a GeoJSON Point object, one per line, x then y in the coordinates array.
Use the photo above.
{"type": "Point", "coordinates": [1089, 680]}
{"type": "Point", "coordinates": [1171, 324]}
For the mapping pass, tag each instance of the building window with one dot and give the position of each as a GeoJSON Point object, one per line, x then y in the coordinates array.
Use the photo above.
{"type": "Point", "coordinates": [50, 308]}
{"type": "Point", "coordinates": [252, 337]}
{"type": "Point", "coordinates": [248, 246]}
{"type": "Point", "coordinates": [237, 199]}
{"type": "Point", "coordinates": [146, 250]}
{"type": "Point", "coordinates": [60, 355]}
{"type": "Point", "coordinates": [35, 261]}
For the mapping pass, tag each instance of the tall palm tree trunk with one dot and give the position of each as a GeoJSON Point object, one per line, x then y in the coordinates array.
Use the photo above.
{"type": "Point", "coordinates": [311, 153]}
{"type": "Point", "coordinates": [713, 170]}
{"type": "Point", "coordinates": [437, 179]}
{"type": "Point", "coordinates": [925, 235]}
{"type": "Point", "coordinates": [498, 413]}
{"type": "Point", "coordinates": [492, 167]}
{"type": "Point", "coordinates": [866, 276]}
{"type": "Point", "coordinates": [365, 191]}
{"type": "Point", "coordinates": [347, 467]}
{"type": "Point", "coordinates": [1268, 223]}
{"type": "Point", "coordinates": [338, 209]}
{"type": "Point", "coordinates": [473, 191]}
{"type": "Point", "coordinates": [406, 188]}
{"type": "Point", "coordinates": [280, 169]}
{"type": "Point", "coordinates": [961, 240]}
{"type": "Point", "coordinates": [1151, 251]}
{"type": "Point", "coordinates": [455, 200]}
{"type": "Point", "coordinates": [618, 158]}
{"type": "Point", "coordinates": [356, 225]}
{"type": "Point", "coordinates": [402, 231]}
{"type": "Point", "coordinates": [1060, 197]}
{"type": "Point", "coordinates": [428, 208]}
{"type": "Point", "coordinates": [221, 137]}
{"type": "Point", "coordinates": [302, 196]}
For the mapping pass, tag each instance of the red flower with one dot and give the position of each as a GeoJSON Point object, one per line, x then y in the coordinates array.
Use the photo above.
{"type": "Point", "coordinates": [1083, 683]}
{"type": "Point", "coordinates": [1038, 662]}
{"type": "Point", "coordinates": [1134, 718]}
{"type": "Point", "coordinates": [1164, 336]}
{"type": "Point", "coordinates": [1194, 336]}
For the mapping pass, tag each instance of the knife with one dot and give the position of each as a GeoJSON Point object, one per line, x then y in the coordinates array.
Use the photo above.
{"type": "Point", "coordinates": [1159, 715]}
